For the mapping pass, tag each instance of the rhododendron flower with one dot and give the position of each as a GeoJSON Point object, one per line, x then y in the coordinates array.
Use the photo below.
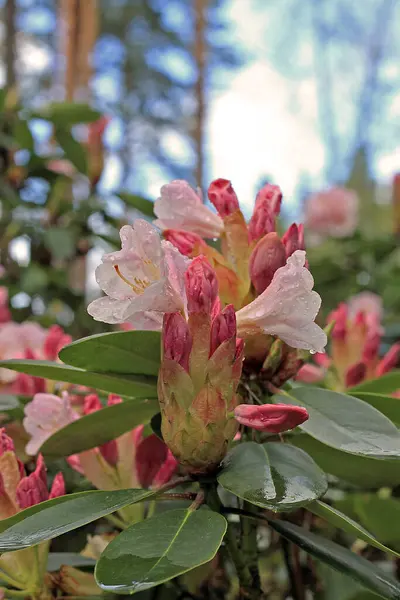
{"type": "Point", "coordinates": [45, 415]}
{"type": "Point", "coordinates": [180, 207]}
{"type": "Point", "coordinates": [368, 303]}
{"type": "Point", "coordinates": [332, 212]}
{"type": "Point", "coordinates": [20, 340]}
{"type": "Point", "coordinates": [287, 308]}
{"type": "Point", "coordinates": [5, 314]}
{"type": "Point", "coordinates": [274, 418]}
{"type": "Point", "coordinates": [143, 280]}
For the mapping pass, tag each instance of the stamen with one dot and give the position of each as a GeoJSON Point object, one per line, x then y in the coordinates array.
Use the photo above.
{"type": "Point", "coordinates": [135, 288]}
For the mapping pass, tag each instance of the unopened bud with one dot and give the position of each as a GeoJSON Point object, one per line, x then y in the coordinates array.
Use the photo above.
{"type": "Point", "coordinates": [273, 418]}
{"type": "Point", "coordinates": [201, 286]}
{"type": "Point", "coordinates": [223, 328]}
{"type": "Point", "coordinates": [293, 239]}
{"type": "Point", "coordinates": [261, 222]}
{"type": "Point", "coordinates": [339, 317]}
{"type": "Point", "coordinates": [310, 373]}
{"type": "Point", "coordinates": [33, 489]}
{"type": "Point", "coordinates": [186, 241]}
{"type": "Point", "coordinates": [6, 443]}
{"type": "Point", "coordinates": [271, 196]}
{"type": "Point", "coordinates": [268, 256]}
{"type": "Point", "coordinates": [109, 452]}
{"type": "Point", "coordinates": [371, 347]}
{"type": "Point", "coordinates": [356, 374]}
{"type": "Point", "coordinates": [223, 196]}
{"type": "Point", "coordinates": [55, 340]}
{"type": "Point", "coordinates": [151, 454]}
{"type": "Point", "coordinates": [177, 341]}
{"type": "Point", "coordinates": [58, 487]}
{"type": "Point", "coordinates": [91, 404]}
{"type": "Point", "coordinates": [389, 361]}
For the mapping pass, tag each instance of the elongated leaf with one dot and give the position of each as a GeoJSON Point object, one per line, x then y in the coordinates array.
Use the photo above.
{"type": "Point", "coordinates": [66, 114]}
{"type": "Point", "coordinates": [99, 427]}
{"type": "Point", "coordinates": [380, 515]}
{"type": "Point", "coordinates": [275, 476]}
{"type": "Point", "coordinates": [341, 559]}
{"type": "Point", "coordinates": [133, 352]}
{"type": "Point", "coordinates": [143, 204]}
{"type": "Point", "coordinates": [73, 150]}
{"type": "Point", "coordinates": [124, 385]}
{"type": "Point", "coordinates": [387, 384]}
{"type": "Point", "coordinates": [58, 559]}
{"type": "Point", "coordinates": [358, 470]}
{"type": "Point", "coordinates": [158, 549]}
{"type": "Point", "coordinates": [387, 405]}
{"type": "Point", "coordinates": [52, 518]}
{"type": "Point", "coordinates": [342, 521]}
{"type": "Point", "coordinates": [345, 422]}
{"type": "Point", "coordinates": [23, 135]}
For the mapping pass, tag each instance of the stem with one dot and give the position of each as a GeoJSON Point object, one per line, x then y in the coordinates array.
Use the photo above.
{"type": "Point", "coordinates": [293, 568]}
{"type": "Point", "coordinates": [179, 496]}
{"type": "Point", "coordinates": [198, 501]}
{"type": "Point", "coordinates": [14, 593]}
{"type": "Point", "coordinates": [249, 545]}
{"type": "Point", "coordinates": [116, 521]}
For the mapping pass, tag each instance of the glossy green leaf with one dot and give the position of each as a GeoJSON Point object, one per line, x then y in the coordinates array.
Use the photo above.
{"type": "Point", "coordinates": [52, 518]}
{"type": "Point", "coordinates": [23, 135]}
{"type": "Point", "coordinates": [56, 560]}
{"type": "Point", "coordinates": [73, 150]}
{"type": "Point", "coordinates": [387, 384]}
{"type": "Point", "coordinates": [274, 475]}
{"type": "Point", "coordinates": [341, 559]}
{"type": "Point", "coordinates": [342, 521]}
{"type": "Point", "coordinates": [345, 422]}
{"type": "Point", "coordinates": [143, 204]}
{"type": "Point", "coordinates": [66, 114]}
{"type": "Point", "coordinates": [358, 470]}
{"type": "Point", "coordinates": [133, 352]}
{"type": "Point", "coordinates": [337, 586]}
{"type": "Point", "coordinates": [159, 549]}
{"type": "Point", "coordinates": [99, 427]}
{"type": "Point", "coordinates": [124, 385]}
{"type": "Point", "coordinates": [387, 405]}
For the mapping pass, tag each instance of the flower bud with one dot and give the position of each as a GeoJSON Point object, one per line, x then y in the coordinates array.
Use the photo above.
{"type": "Point", "coordinates": [356, 374]}
{"type": "Point", "coordinates": [91, 404]}
{"type": "Point", "coordinates": [293, 239]}
{"type": "Point", "coordinates": [55, 340]}
{"type": "Point", "coordinates": [75, 582]}
{"type": "Point", "coordinates": [310, 373]}
{"type": "Point", "coordinates": [273, 418]}
{"type": "Point", "coordinates": [389, 361]}
{"type": "Point", "coordinates": [109, 452]}
{"type": "Point", "coordinates": [267, 257]}
{"type": "Point", "coordinates": [371, 347]}
{"type": "Point", "coordinates": [261, 222]}
{"type": "Point", "coordinates": [33, 489]}
{"type": "Point", "coordinates": [223, 196]}
{"type": "Point", "coordinates": [58, 487]}
{"type": "Point", "coordinates": [177, 340]}
{"type": "Point", "coordinates": [188, 243]}
{"type": "Point", "coordinates": [223, 328]}
{"type": "Point", "coordinates": [201, 286]}
{"type": "Point", "coordinates": [271, 196]}
{"type": "Point", "coordinates": [6, 443]}
{"type": "Point", "coordinates": [339, 316]}
{"type": "Point", "coordinates": [151, 454]}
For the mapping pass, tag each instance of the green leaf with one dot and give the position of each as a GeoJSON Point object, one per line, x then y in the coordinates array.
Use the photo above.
{"type": "Point", "coordinates": [342, 521]}
{"type": "Point", "coordinates": [47, 520]}
{"type": "Point", "coordinates": [123, 385]}
{"type": "Point", "coordinates": [73, 150]}
{"type": "Point", "coordinates": [8, 402]}
{"type": "Point", "coordinates": [387, 405]}
{"type": "Point", "coordinates": [386, 384]}
{"type": "Point", "coordinates": [380, 515]}
{"type": "Point", "coordinates": [66, 114]}
{"type": "Point", "coordinates": [345, 422]}
{"type": "Point", "coordinates": [341, 559]}
{"type": "Point", "coordinates": [60, 242]}
{"type": "Point", "coordinates": [133, 352]}
{"type": "Point", "coordinates": [143, 204]}
{"type": "Point", "coordinates": [273, 475]}
{"type": "Point", "coordinates": [23, 135]}
{"type": "Point", "coordinates": [57, 559]}
{"type": "Point", "coordinates": [99, 427]}
{"type": "Point", "coordinates": [159, 549]}
{"type": "Point", "coordinates": [358, 470]}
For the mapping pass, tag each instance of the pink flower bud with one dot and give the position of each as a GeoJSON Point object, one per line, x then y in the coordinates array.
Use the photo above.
{"type": "Point", "coordinates": [109, 452]}
{"type": "Point", "coordinates": [151, 454]}
{"type": "Point", "coordinates": [113, 399]}
{"type": "Point", "coordinates": [167, 469]}
{"type": "Point", "coordinates": [58, 487]}
{"type": "Point", "coordinates": [339, 315]}
{"type": "Point", "coordinates": [223, 196]}
{"type": "Point", "coordinates": [389, 361]}
{"type": "Point", "coordinates": [177, 341]}
{"type": "Point", "coordinates": [223, 328]}
{"type": "Point", "coordinates": [5, 314]}
{"type": "Point", "coordinates": [6, 443]}
{"type": "Point", "coordinates": [271, 196]}
{"type": "Point", "coordinates": [310, 373]}
{"type": "Point", "coordinates": [356, 374]}
{"type": "Point", "coordinates": [273, 418]}
{"type": "Point", "coordinates": [371, 347]}
{"type": "Point", "coordinates": [55, 340]}
{"type": "Point", "coordinates": [294, 239]}
{"type": "Point", "coordinates": [33, 489]}
{"type": "Point", "coordinates": [27, 385]}
{"type": "Point", "coordinates": [201, 286]}
{"type": "Point", "coordinates": [91, 404]}
{"type": "Point", "coordinates": [261, 222]}
{"type": "Point", "coordinates": [267, 257]}
{"type": "Point", "coordinates": [185, 241]}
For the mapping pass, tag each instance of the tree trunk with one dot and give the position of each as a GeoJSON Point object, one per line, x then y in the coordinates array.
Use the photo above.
{"type": "Point", "coordinates": [10, 49]}
{"type": "Point", "coordinates": [200, 56]}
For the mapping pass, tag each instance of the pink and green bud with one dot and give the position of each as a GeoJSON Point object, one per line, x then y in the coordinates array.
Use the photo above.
{"type": "Point", "coordinates": [223, 328]}
{"type": "Point", "coordinates": [261, 223]}
{"type": "Point", "coordinates": [177, 341]}
{"type": "Point", "coordinates": [188, 243]}
{"type": "Point", "coordinates": [271, 418]}
{"type": "Point", "coordinates": [270, 196]}
{"type": "Point", "coordinates": [267, 257]}
{"type": "Point", "coordinates": [339, 316]}
{"type": "Point", "coordinates": [223, 197]}
{"type": "Point", "coordinates": [389, 361]}
{"type": "Point", "coordinates": [355, 374]}
{"type": "Point", "coordinates": [293, 239]}
{"type": "Point", "coordinates": [58, 487]}
{"type": "Point", "coordinates": [201, 286]}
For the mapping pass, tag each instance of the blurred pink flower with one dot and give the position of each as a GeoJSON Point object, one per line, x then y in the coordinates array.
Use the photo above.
{"type": "Point", "coordinates": [5, 314]}
{"type": "Point", "coordinates": [333, 212]}
{"type": "Point", "coordinates": [310, 373]}
{"type": "Point", "coordinates": [366, 302]}
{"type": "Point", "coordinates": [142, 281]}
{"type": "Point", "coordinates": [180, 207]}
{"type": "Point", "coordinates": [287, 308]}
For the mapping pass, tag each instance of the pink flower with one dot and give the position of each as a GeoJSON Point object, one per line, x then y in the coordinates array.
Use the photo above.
{"type": "Point", "coordinates": [223, 196]}
{"type": "Point", "coordinates": [180, 207]}
{"type": "Point", "coordinates": [367, 303]}
{"type": "Point", "coordinates": [287, 308]}
{"type": "Point", "coordinates": [5, 314]}
{"type": "Point", "coordinates": [294, 239]}
{"type": "Point", "coordinates": [142, 281]}
{"type": "Point", "coordinates": [274, 418]}
{"type": "Point", "coordinates": [310, 373]}
{"type": "Point", "coordinates": [266, 209]}
{"type": "Point", "coordinates": [332, 212]}
{"type": "Point", "coordinates": [389, 361]}
{"type": "Point", "coordinates": [55, 340]}
{"type": "Point", "coordinates": [185, 241]}
{"type": "Point", "coordinates": [177, 340]}
{"type": "Point", "coordinates": [45, 415]}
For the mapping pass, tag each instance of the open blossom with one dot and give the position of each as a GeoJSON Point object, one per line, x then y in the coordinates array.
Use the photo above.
{"type": "Point", "coordinates": [45, 415]}
{"type": "Point", "coordinates": [287, 308]}
{"type": "Point", "coordinates": [142, 281]}
{"type": "Point", "coordinates": [332, 212]}
{"type": "Point", "coordinates": [367, 302]}
{"type": "Point", "coordinates": [273, 418]}
{"type": "Point", "coordinates": [180, 207]}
